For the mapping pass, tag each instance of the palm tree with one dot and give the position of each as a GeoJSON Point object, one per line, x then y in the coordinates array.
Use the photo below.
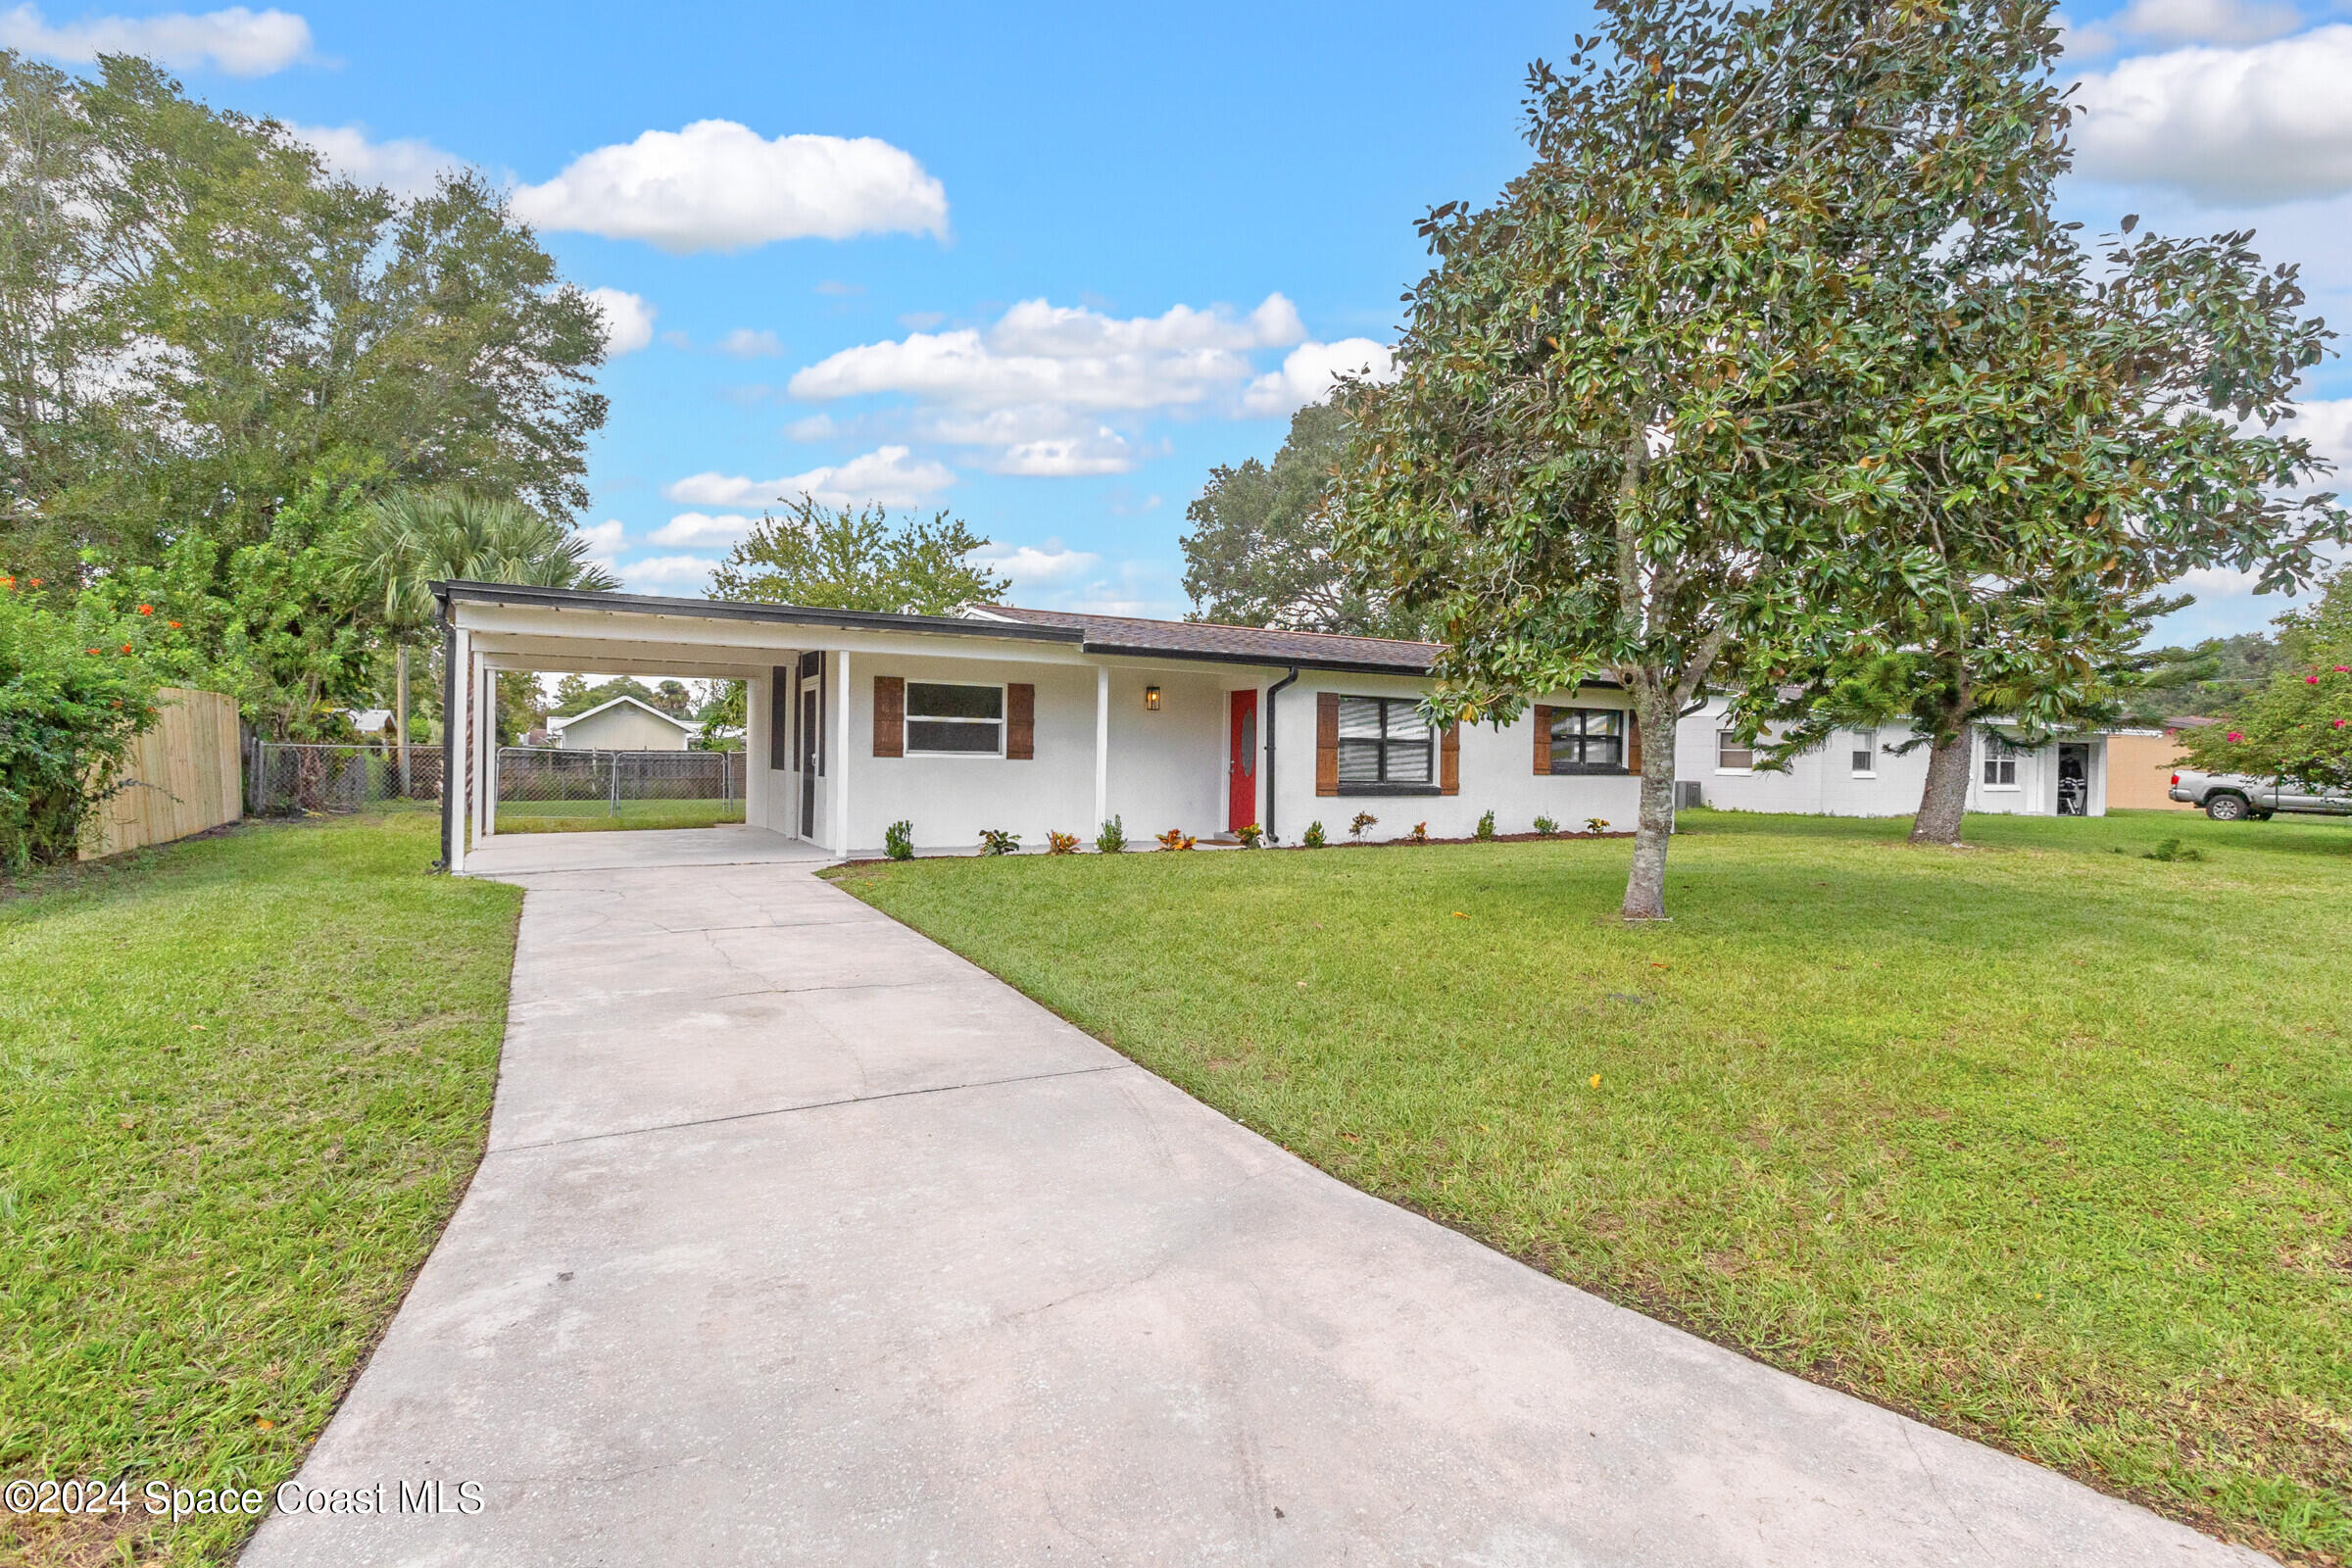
{"type": "Point", "coordinates": [414, 538]}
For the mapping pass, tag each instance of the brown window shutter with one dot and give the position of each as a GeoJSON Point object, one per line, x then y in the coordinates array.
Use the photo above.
{"type": "Point", "coordinates": [1020, 721]}
{"type": "Point", "coordinates": [1633, 742]}
{"type": "Point", "coordinates": [1327, 743]}
{"type": "Point", "coordinates": [890, 715]}
{"type": "Point", "coordinates": [1449, 760]}
{"type": "Point", "coordinates": [1543, 739]}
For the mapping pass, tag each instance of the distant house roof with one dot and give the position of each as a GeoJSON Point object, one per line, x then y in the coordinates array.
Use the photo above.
{"type": "Point", "coordinates": [557, 723]}
{"type": "Point", "coordinates": [1244, 645]}
{"type": "Point", "coordinates": [369, 721]}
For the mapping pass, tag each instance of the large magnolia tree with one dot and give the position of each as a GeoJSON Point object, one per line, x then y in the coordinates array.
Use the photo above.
{"type": "Point", "coordinates": [1627, 388]}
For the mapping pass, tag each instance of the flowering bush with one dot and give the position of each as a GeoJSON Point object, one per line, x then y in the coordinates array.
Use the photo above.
{"type": "Point", "coordinates": [2300, 725]}
{"type": "Point", "coordinates": [74, 696]}
{"type": "Point", "coordinates": [1251, 835]}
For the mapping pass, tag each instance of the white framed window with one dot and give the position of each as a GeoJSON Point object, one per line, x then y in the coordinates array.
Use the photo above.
{"type": "Point", "coordinates": [946, 719]}
{"type": "Point", "coordinates": [2000, 763]}
{"type": "Point", "coordinates": [1587, 740]}
{"type": "Point", "coordinates": [1385, 745]}
{"type": "Point", "coordinates": [1732, 754]}
{"type": "Point", "coordinates": [1866, 754]}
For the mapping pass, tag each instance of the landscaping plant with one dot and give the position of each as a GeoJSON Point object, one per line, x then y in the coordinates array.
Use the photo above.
{"type": "Point", "coordinates": [1251, 835]}
{"type": "Point", "coordinates": [2299, 725]}
{"type": "Point", "coordinates": [1596, 824]}
{"type": "Point", "coordinates": [1545, 827]}
{"type": "Point", "coordinates": [1313, 836]}
{"type": "Point", "coordinates": [1113, 837]}
{"type": "Point", "coordinates": [1062, 843]}
{"type": "Point", "coordinates": [1486, 827]}
{"type": "Point", "coordinates": [1364, 821]}
{"type": "Point", "coordinates": [74, 694]}
{"type": "Point", "coordinates": [1175, 838]}
{"type": "Point", "coordinates": [1419, 834]}
{"type": "Point", "coordinates": [996, 840]}
{"type": "Point", "coordinates": [898, 840]}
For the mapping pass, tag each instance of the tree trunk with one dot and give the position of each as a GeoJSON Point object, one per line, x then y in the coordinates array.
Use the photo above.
{"type": "Point", "coordinates": [1945, 799]}
{"type": "Point", "coordinates": [1645, 884]}
{"type": "Point", "coordinates": [400, 715]}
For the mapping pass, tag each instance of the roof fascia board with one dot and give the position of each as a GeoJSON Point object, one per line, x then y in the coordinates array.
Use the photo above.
{"type": "Point", "coordinates": [457, 597]}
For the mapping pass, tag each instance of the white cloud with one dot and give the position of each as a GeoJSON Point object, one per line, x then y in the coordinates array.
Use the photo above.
{"type": "Point", "coordinates": [746, 343]}
{"type": "Point", "coordinates": [815, 427]}
{"type": "Point", "coordinates": [406, 166]}
{"type": "Point", "coordinates": [2327, 426]}
{"type": "Point", "coordinates": [667, 572]}
{"type": "Point", "coordinates": [1030, 566]}
{"type": "Point", "coordinates": [240, 41]}
{"type": "Point", "coordinates": [886, 476]}
{"type": "Point", "coordinates": [628, 320]}
{"type": "Point", "coordinates": [1065, 457]}
{"type": "Point", "coordinates": [2170, 22]}
{"type": "Point", "coordinates": [717, 185]}
{"type": "Point", "coordinates": [1309, 369]}
{"type": "Point", "coordinates": [2269, 122]}
{"type": "Point", "coordinates": [1064, 356]}
{"type": "Point", "coordinates": [604, 539]}
{"type": "Point", "coordinates": [696, 527]}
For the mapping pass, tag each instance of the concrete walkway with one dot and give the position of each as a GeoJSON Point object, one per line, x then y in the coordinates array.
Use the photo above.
{"type": "Point", "coordinates": [802, 1240]}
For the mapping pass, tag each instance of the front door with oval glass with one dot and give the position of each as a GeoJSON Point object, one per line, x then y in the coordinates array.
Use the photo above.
{"type": "Point", "coordinates": [1241, 763]}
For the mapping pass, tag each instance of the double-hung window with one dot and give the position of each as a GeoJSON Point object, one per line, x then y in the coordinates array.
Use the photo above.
{"type": "Point", "coordinates": [1385, 744]}
{"type": "Point", "coordinates": [944, 720]}
{"type": "Point", "coordinates": [1866, 754]}
{"type": "Point", "coordinates": [2000, 763]}
{"type": "Point", "coordinates": [1587, 740]}
{"type": "Point", "coordinates": [1732, 754]}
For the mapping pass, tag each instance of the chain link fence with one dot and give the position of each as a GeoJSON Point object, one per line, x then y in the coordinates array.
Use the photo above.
{"type": "Point", "coordinates": [537, 773]}
{"type": "Point", "coordinates": [287, 780]}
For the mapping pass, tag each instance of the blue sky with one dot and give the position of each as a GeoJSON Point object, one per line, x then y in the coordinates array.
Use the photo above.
{"type": "Point", "coordinates": [1046, 265]}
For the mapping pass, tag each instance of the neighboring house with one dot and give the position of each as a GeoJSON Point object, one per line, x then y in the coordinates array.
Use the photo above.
{"type": "Point", "coordinates": [1859, 773]}
{"type": "Point", "coordinates": [1036, 721]}
{"type": "Point", "coordinates": [372, 720]}
{"type": "Point", "coordinates": [623, 724]}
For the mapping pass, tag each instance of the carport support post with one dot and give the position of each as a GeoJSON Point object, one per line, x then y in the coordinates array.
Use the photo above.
{"type": "Point", "coordinates": [756, 718]}
{"type": "Point", "coordinates": [840, 755]}
{"type": "Point", "coordinates": [485, 709]}
{"type": "Point", "coordinates": [457, 732]}
{"type": "Point", "coordinates": [1102, 746]}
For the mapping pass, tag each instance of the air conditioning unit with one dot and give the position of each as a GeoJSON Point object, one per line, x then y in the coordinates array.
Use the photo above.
{"type": "Point", "coordinates": [1687, 795]}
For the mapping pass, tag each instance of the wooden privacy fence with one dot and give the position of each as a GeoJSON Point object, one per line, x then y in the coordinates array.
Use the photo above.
{"type": "Point", "coordinates": [182, 776]}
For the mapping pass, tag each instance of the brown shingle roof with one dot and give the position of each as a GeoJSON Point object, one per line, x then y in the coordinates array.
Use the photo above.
{"type": "Point", "coordinates": [1248, 645]}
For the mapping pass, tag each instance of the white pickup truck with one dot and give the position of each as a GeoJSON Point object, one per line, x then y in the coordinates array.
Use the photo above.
{"type": "Point", "coordinates": [2230, 796]}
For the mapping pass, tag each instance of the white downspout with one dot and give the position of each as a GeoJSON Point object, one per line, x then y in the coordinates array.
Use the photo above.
{"type": "Point", "coordinates": [485, 741]}
{"type": "Point", "coordinates": [1101, 745]}
{"type": "Point", "coordinates": [841, 758]}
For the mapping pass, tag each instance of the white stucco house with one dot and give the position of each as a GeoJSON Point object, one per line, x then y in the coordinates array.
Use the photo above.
{"type": "Point", "coordinates": [1858, 772]}
{"type": "Point", "coordinates": [623, 724]}
{"type": "Point", "coordinates": [1036, 721]}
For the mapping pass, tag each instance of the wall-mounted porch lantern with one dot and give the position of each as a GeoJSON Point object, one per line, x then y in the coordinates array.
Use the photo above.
{"type": "Point", "coordinates": [1151, 699]}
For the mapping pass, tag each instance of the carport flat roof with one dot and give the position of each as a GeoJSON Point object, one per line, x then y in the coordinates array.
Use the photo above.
{"type": "Point", "coordinates": [1109, 635]}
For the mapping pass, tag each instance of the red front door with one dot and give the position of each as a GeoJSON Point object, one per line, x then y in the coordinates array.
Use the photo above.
{"type": "Point", "coordinates": [1241, 763]}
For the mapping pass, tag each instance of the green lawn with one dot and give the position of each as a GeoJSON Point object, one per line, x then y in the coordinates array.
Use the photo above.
{"type": "Point", "coordinates": [248, 1079]}
{"type": "Point", "coordinates": [600, 816]}
{"type": "Point", "coordinates": [2046, 1144]}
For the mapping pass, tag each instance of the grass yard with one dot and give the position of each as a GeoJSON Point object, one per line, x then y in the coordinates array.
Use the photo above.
{"type": "Point", "coordinates": [2045, 1144]}
{"type": "Point", "coordinates": [599, 817]}
{"type": "Point", "coordinates": [248, 1079]}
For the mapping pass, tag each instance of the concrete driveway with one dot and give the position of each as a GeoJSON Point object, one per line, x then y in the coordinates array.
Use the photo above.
{"type": "Point", "coordinates": [802, 1240]}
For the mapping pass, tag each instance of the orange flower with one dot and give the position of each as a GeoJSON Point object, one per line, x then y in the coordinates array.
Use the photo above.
{"type": "Point", "coordinates": [146, 610]}
{"type": "Point", "coordinates": [126, 648]}
{"type": "Point", "coordinates": [174, 624]}
{"type": "Point", "coordinates": [89, 649]}
{"type": "Point", "coordinates": [8, 582]}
